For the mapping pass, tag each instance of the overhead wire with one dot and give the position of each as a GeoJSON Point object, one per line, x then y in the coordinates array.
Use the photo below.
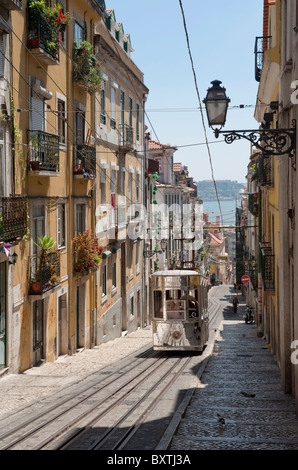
{"type": "Point", "coordinates": [200, 104]}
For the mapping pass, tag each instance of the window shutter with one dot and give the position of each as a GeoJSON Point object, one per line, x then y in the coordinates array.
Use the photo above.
{"type": "Point", "coordinates": [37, 113]}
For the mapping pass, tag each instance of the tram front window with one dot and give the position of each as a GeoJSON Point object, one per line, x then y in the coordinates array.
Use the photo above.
{"type": "Point", "coordinates": [175, 309]}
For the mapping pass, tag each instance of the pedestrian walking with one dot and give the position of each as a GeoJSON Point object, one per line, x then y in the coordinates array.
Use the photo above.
{"type": "Point", "coordinates": [235, 303]}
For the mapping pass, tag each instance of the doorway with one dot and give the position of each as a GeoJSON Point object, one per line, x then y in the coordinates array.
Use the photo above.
{"type": "Point", "coordinates": [38, 336]}
{"type": "Point", "coordinates": [62, 347]}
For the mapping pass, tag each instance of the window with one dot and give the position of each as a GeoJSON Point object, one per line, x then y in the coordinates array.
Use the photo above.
{"type": "Point", "coordinates": [61, 121]}
{"type": "Point", "coordinates": [130, 112]}
{"type": "Point", "coordinates": [138, 256]}
{"type": "Point", "coordinates": [138, 187]}
{"type": "Point", "coordinates": [137, 122]}
{"type": "Point", "coordinates": [130, 188]}
{"type": "Point", "coordinates": [37, 112]}
{"type": "Point", "coordinates": [122, 104]}
{"type": "Point", "coordinates": [61, 225]}
{"type": "Point", "coordinates": [132, 306]}
{"type": "Point", "coordinates": [80, 218]}
{"type": "Point", "coordinates": [78, 33]}
{"type": "Point", "coordinates": [37, 230]}
{"type": "Point", "coordinates": [113, 107]}
{"type": "Point", "coordinates": [114, 274]}
{"type": "Point", "coordinates": [104, 280]}
{"type": "Point", "coordinates": [113, 182]}
{"type": "Point", "coordinates": [103, 104]}
{"type": "Point", "coordinates": [80, 127]}
{"type": "Point", "coordinates": [103, 186]}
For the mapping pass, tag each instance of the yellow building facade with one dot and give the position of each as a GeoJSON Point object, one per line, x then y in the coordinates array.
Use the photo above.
{"type": "Point", "coordinates": [77, 103]}
{"type": "Point", "coordinates": [268, 94]}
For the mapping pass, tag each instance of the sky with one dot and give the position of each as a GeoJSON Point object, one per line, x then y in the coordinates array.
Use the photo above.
{"type": "Point", "coordinates": [222, 38]}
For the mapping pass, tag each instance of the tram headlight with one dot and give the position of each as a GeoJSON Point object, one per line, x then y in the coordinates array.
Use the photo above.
{"type": "Point", "coordinates": [176, 335]}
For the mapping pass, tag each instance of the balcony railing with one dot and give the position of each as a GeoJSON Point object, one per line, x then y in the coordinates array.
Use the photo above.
{"type": "Point", "coordinates": [267, 266]}
{"type": "Point", "coordinates": [13, 218]}
{"type": "Point", "coordinates": [42, 40]}
{"type": "Point", "coordinates": [265, 170]}
{"type": "Point", "coordinates": [85, 161]}
{"type": "Point", "coordinates": [261, 45]}
{"type": "Point", "coordinates": [12, 4]}
{"type": "Point", "coordinates": [253, 204]}
{"type": "Point", "coordinates": [125, 136]}
{"type": "Point", "coordinates": [253, 276]}
{"type": "Point", "coordinates": [45, 272]}
{"type": "Point", "coordinates": [44, 151]}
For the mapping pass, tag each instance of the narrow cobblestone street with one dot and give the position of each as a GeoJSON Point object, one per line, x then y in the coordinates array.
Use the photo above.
{"type": "Point", "coordinates": [242, 385]}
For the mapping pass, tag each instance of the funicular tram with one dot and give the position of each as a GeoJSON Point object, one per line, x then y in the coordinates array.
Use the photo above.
{"type": "Point", "coordinates": [180, 310]}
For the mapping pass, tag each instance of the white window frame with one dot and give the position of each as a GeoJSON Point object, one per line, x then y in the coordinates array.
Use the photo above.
{"type": "Point", "coordinates": [62, 98]}
{"type": "Point", "coordinates": [62, 246]}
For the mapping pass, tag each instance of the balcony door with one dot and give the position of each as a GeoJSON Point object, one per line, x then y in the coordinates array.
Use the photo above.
{"type": "Point", "coordinates": [38, 337]}
{"type": "Point", "coordinates": [37, 230]}
{"type": "Point", "coordinates": [37, 113]}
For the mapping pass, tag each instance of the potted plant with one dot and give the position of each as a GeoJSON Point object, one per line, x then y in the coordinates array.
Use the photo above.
{"type": "Point", "coordinates": [88, 252]}
{"type": "Point", "coordinates": [46, 274]}
{"type": "Point", "coordinates": [36, 283]}
{"type": "Point", "coordinates": [86, 70]}
{"type": "Point", "coordinates": [53, 18]}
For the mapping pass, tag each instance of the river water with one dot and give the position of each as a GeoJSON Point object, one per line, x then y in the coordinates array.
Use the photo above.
{"type": "Point", "coordinates": [228, 209]}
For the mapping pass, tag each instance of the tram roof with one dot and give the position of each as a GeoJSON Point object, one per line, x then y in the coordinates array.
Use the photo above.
{"type": "Point", "coordinates": [176, 272]}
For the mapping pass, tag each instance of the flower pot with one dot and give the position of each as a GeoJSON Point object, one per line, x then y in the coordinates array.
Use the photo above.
{"type": "Point", "coordinates": [34, 165]}
{"type": "Point", "coordinates": [36, 287]}
{"type": "Point", "coordinates": [34, 43]}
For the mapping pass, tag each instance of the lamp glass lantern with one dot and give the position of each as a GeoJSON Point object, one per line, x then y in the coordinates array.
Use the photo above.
{"type": "Point", "coordinates": [216, 103]}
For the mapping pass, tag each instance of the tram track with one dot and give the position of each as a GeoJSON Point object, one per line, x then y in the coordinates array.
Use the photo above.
{"type": "Point", "coordinates": [70, 422]}
{"type": "Point", "coordinates": [113, 407]}
{"type": "Point", "coordinates": [79, 394]}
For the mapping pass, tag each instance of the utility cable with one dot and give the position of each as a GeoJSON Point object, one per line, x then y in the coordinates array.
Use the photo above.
{"type": "Point", "coordinates": [200, 104]}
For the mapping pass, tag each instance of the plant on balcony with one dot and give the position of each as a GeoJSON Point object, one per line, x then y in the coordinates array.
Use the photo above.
{"type": "Point", "coordinates": [54, 19]}
{"type": "Point", "coordinates": [46, 274]}
{"type": "Point", "coordinates": [86, 70]}
{"type": "Point", "coordinates": [88, 252]}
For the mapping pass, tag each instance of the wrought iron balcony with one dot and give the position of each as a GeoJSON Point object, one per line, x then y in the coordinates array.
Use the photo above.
{"type": "Point", "coordinates": [267, 266]}
{"type": "Point", "coordinates": [253, 203]}
{"type": "Point", "coordinates": [45, 272]}
{"type": "Point", "coordinates": [125, 137]}
{"type": "Point", "coordinates": [44, 151]}
{"type": "Point", "coordinates": [12, 4]}
{"type": "Point", "coordinates": [85, 161]}
{"type": "Point", "coordinates": [42, 39]}
{"type": "Point", "coordinates": [13, 218]}
{"type": "Point", "coordinates": [265, 170]}
{"type": "Point", "coordinates": [261, 45]}
{"type": "Point", "coordinates": [253, 276]}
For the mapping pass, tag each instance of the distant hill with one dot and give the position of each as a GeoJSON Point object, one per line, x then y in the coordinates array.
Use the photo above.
{"type": "Point", "coordinates": [226, 189]}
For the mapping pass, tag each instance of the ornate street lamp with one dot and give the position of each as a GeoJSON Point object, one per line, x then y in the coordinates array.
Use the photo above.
{"type": "Point", "coordinates": [269, 141]}
{"type": "Point", "coordinates": [216, 103]}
